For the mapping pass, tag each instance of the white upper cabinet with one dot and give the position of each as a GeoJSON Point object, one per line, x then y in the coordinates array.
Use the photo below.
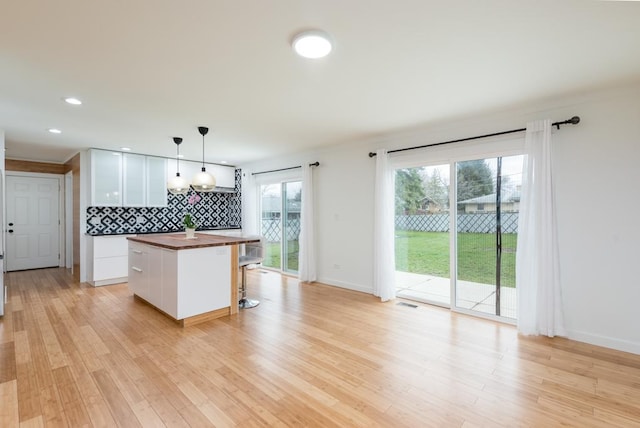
{"type": "Point", "coordinates": [156, 180]}
{"type": "Point", "coordinates": [126, 179]}
{"type": "Point", "coordinates": [225, 175]}
{"type": "Point", "coordinates": [106, 178]}
{"type": "Point", "coordinates": [133, 180]}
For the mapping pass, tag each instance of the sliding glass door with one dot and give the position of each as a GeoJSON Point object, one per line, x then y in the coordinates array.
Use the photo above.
{"type": "Point", "coordinates": [280, 224]}
{"type": "Point", "coordinates": [488, 201]}
{"type": "Point", "coordinates": [479, 221]}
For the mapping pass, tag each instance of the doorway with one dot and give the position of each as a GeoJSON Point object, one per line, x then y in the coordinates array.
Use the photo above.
{"type": "Point", "coordinates": [33, 221]}
{"type": "Point", "coordinates": [280, 224]}
{"type": "Point", "coordinates": [456, 233]}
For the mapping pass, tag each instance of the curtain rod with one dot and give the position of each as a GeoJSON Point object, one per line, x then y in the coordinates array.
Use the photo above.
{"type": "Point", "coordinates": [573, 121]}
{"type": "Point", "coordinates": [284, 169]}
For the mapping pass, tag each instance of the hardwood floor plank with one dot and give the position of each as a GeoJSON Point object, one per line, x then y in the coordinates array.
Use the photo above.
{"type": "Point", "coordinates": [52, 410]}
{"type": "Point", "coordinates": [9, 411]}
{"type": "Point", "coordinates": [120, 408]}
{"type": "Point", "coordinates": [28, 391]}
{"type": "Point", "coordinates": [309, 355]}
{"type": "Point", "coordinates": [7, 362]}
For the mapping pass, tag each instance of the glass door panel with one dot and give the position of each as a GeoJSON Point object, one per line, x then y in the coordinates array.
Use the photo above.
{"type": "Point", "coordinates": [488, 200]}
{"type": "Point", "coordinates": [291, 223]}
{"type": "Point", "coordinates": [280, 224]}
{"type": "Point", "coordinates": [271, 227]}
{"type": "Point", "coordinates": [422, 234]}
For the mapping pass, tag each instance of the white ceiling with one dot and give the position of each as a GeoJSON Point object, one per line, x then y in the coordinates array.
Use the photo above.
{"type": "Point", "coordinates": [148, 70]}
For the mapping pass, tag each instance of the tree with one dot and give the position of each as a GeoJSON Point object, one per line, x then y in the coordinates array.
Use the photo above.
{"type": "Point", "coordinates": [409, 190]}
{"type": "Point", "coordinates": [475, 178]}
{"type": "Point", "coordinates": [436, 189]}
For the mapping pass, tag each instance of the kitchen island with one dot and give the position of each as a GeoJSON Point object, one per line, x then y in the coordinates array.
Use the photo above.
{"type": "Point", "coordinates": [189, 280]}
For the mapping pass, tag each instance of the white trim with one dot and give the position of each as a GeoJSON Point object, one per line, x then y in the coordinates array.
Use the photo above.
{"type": "Point", "coordinates": [345, 285]}
{"type": "Point", "coordinates": [607, 342]}
{"type": "Point", "coordinates": [61, 208]}
{"type": "Point", "coordinates": [484, 315]}
{"type": "Point", "coordinates": [68, 219]}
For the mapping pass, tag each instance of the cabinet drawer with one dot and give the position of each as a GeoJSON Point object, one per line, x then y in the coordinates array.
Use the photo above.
{"type": "Point", "coordinates": [110, 267]}
{"type": "Point", "coordinates": [110, 246]}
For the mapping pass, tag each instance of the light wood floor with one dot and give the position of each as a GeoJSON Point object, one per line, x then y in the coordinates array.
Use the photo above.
{"type": "Point", "coordinates": [309, 355]}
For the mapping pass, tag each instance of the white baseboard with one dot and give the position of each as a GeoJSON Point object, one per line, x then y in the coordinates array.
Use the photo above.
{"type": "Point", "coordinates": [607, 342]}
{"type": "Point", "coordinates": [348, 286]}
{"type": "Point", "coordinates": [109, 281]}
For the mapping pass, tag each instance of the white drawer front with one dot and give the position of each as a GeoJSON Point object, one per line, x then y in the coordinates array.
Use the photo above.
{"type": "Point", "coordinates": [110, 246]}
{"type": "Point", "coordinates": [111, 267]}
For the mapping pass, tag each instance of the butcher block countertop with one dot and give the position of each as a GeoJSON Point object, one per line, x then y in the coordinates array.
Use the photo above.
{"type": "Point", "coordinates": [178, 241]}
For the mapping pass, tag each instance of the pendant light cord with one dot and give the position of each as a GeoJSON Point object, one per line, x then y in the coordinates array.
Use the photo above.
{"type": "Point", "coordinates": [177, 141]}
{"type": "Point", "coordinates": [177, 160]}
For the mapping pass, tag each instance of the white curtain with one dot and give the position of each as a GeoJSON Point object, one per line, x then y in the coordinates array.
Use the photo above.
{"type": "Point", "coordinates": [249, 204]}
{"type": "Point", "coordinates": [383, 237]}
{"type": "Point", "coordinates": [537, 265]}
{"type": "Point", "coordinates": [307, 254]}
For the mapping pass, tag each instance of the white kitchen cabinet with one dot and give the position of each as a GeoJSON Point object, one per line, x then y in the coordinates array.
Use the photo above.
{"type": "Point", "coordinates": [225, 175]}
{"type": "Point", "coordinates": [156, 181]}
{"type": "Point", "coordinates": [106, 178]}
{"type": "Point", "coordinates": [182, 283]}
{"type": "Point", "coordinates": [138, 270]}
{"type": "Point", "coordinates": [133, 180]}
{"type": "Point", "coordinates": [108, 262]}
{"type": "Point", "coordinates": [128, 179]}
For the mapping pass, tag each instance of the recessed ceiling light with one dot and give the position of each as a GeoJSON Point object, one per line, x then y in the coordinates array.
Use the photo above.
{"type": "Point", "coordinates": [180, 156]}
{"type": "Point", "coordinates": [125, 149]}
{"type": "Point", "coordinates": [224, 162]}
{"type": "Point", "coordinates": [55, 131]}
{"type": "Point", "coordinates": [73, 101]}
{"type": "Point", "coordinates": [312, 44]}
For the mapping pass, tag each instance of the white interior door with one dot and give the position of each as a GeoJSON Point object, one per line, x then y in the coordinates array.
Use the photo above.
{"type": "Point", "coordinates": [32, 222]}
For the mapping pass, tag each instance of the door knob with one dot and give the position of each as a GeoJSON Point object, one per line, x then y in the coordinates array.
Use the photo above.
{"type": "Point", "coordinates": [10, 230]}
{"type": "Point", "coordinates": [10, 224]}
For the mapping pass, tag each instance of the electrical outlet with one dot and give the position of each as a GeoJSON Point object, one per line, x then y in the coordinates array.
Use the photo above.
{"type": "Point", "coordinates": [95, 221]}
{"type": "Point", "coordinates": [140, 219]}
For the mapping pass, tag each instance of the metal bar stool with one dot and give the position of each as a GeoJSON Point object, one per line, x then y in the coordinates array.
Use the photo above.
{"type": "Point", "coordinates": [253, 254]}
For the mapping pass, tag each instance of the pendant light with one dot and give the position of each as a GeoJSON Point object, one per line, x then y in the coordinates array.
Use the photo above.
{"type": "Point", "coordinates": [203, 181]}
{"type": "Point", "coordinates": [178, 185]}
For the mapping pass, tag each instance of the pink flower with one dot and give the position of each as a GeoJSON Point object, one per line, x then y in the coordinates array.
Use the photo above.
{"type": "Point", "coordinates": [194, 199]}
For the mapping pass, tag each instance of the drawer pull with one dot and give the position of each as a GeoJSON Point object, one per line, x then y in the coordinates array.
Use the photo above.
{"type": "Point", "coordinates": [136, 269]}
{"type": "Point", "coordinates": [137, 251]}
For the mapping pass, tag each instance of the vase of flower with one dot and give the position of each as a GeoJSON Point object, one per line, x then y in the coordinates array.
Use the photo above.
{"type": "Point", "coordinates": [189, 224]}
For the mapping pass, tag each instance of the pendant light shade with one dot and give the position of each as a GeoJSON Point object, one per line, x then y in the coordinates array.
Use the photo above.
{"type": "Point", "coordinates": [178, 185]}
{"type": "Point", "coordinates": [203, 181]}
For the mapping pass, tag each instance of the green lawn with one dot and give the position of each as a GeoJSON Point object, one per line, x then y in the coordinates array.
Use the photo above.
{"type": "Point", "coordinates": [272, 255]}
{"type": "Point", "coordinates": [428, 253]}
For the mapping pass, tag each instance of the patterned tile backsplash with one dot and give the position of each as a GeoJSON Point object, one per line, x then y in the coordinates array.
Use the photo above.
{"type": "Point", "coordinates": [214, 210]}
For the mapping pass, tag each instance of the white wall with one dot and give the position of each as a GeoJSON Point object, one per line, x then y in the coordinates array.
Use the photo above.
{"type": "Point", "coordinates": [597, 171]}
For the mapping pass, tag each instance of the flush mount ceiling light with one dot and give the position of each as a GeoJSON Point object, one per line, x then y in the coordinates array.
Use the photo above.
{"type": "Point", "coordinates": [203, 181]}
{"type": "Point", "coordinates": [312, 44]}
{"type": "Point", "coordinates": [178, 185]}
{"type": "Point", "coordinates": [72, 100]}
